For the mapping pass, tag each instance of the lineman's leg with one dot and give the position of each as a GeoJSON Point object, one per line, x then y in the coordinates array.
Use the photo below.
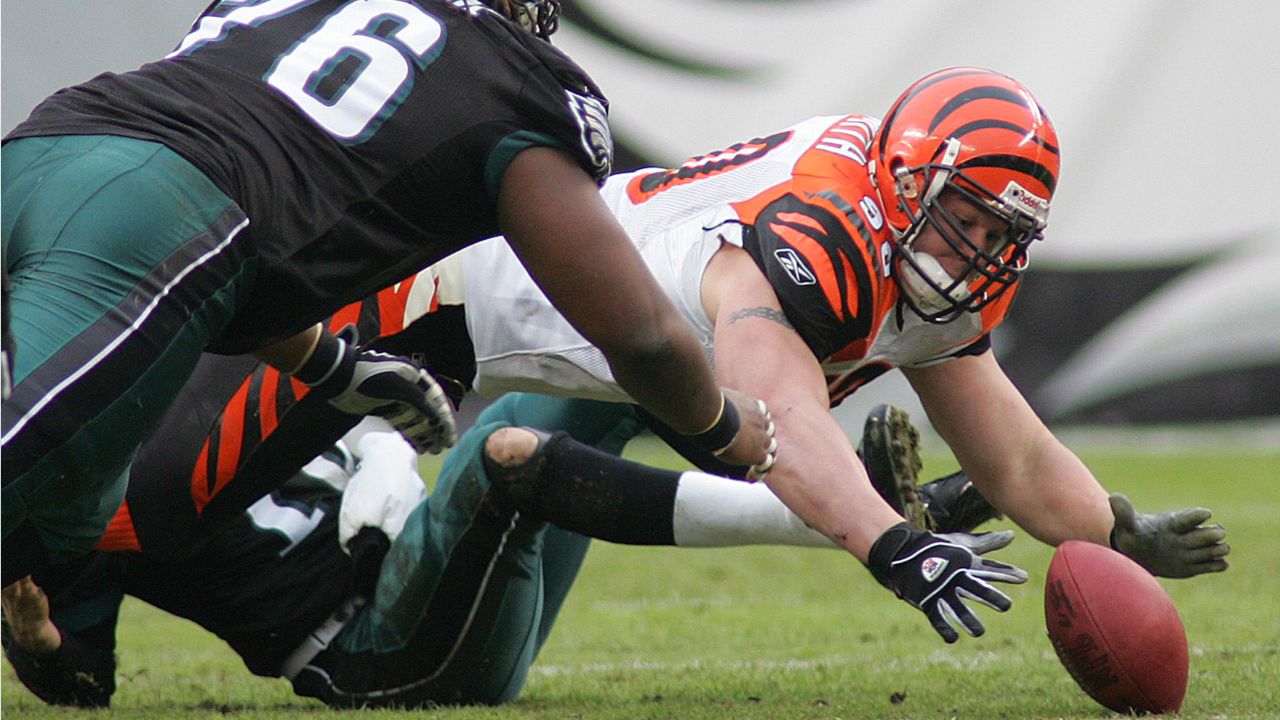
{"type": "Point", "coordinates": [123, 265]}
{"type": "Point", "coordinates": [579, 488]}
{"type": "Point", "coordinates": [459, 611]}
{"type": "Point", "coordinates": [563, 552]}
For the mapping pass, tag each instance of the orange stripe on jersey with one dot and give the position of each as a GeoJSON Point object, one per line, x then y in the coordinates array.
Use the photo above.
{"type": "Point", "coordinates": [802, 219]}
{"type": "Point", "coordinates": [815, 254]}
{"type": "Point", "coordinates": [840, 153]}
{"type": "Point", "coordinates": [120, 535]}
{"type": "Point", "coordinates": [349, 315]}
{"type": "Point", "coordinates": [644, 186]}
{"type": "Point", "coordinates": [231, 437]}
{"type": "Point", "coordinates": [392, 302]}
{"type": "Point", "coordinates": [299, 390]}
{"type": "Point", "coordinates": [200, 495]}
{"type": "Point", "coordinates": [850, 281]}
{"type": "Point", "coordinates": [267, 401]}
{"type": "Point", "coordinates": [749, 210]}
{"type": "Point", "coordinates": [994, 314]}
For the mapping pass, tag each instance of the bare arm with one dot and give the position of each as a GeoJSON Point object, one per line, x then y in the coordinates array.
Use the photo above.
{"type": "Point", "coordinates": [1009, 454]}
{"type": "Point", "coordinates": [291, 353]}
{"type": "Point", "coordinates": [818, 475]}
{"type": "Point", "coordinates": [553, 217]}
{"type": "Point", "coordinates": [26, 610]}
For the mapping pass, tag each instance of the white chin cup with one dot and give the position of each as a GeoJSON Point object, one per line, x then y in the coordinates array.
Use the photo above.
{"type": "Point", "coordinates": [917, 283]}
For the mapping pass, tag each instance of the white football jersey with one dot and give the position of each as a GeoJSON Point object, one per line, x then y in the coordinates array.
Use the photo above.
{"type": "Point", "coordinates": [816, 232]}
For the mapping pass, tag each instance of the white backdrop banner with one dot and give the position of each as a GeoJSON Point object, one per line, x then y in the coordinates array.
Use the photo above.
{"type": "Point", "coordinates": [1156, 295]}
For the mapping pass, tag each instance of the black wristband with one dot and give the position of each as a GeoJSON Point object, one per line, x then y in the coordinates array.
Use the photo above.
{"type": "Point", "coordinates": [324, 360]}
{"type": "Point", "coordinates": [719, 436]}
{"type": "Point", "coordinates": [885, 548]}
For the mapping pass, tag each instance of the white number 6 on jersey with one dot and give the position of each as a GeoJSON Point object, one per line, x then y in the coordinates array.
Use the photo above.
{"type": "Point", "coordinates": [380, 74]}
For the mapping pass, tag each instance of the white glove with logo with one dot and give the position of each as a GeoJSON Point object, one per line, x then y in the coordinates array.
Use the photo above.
{"type": "Point", "coordinates": [384, 490]}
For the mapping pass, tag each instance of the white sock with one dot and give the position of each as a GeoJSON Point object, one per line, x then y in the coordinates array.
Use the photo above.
{"type": "Point", "coordinates": [712, 511]}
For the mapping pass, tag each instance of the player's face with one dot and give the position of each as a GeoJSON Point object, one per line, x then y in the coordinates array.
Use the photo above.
{"type": "Point", "coordinates": [968, 225]}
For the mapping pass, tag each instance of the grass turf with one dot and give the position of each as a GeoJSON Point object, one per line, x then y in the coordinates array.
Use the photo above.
{"type": "Point", "coordinates": [794, 633]}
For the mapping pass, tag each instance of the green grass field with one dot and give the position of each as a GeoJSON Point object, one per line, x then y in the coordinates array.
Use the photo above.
{"type": "Point", "coordinates": [792, 633]}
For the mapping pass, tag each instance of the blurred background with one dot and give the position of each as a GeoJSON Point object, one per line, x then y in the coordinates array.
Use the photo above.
{"type": "Point", "coordinates": [1154, 301]}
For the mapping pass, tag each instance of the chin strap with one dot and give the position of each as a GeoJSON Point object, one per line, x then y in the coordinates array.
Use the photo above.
{"type": "Point", "coordinates": [921, 270]}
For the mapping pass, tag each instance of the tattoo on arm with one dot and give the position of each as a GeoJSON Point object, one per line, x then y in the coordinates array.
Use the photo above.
{"type": "Point", "coordinates": [761, 312]}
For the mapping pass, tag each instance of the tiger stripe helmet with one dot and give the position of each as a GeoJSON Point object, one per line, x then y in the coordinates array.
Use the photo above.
{"type": "Point", "coordinates": [981, 134]}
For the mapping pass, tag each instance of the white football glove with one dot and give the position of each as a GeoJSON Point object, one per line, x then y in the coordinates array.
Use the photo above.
{"type": "Point", "coordinates": [384, 490]}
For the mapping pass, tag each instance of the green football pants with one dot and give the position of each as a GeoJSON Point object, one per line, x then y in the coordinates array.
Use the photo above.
{"type": "Point", "coordinates": [123, 263]}
{"type": "Point", "coordinates": [468, 592]}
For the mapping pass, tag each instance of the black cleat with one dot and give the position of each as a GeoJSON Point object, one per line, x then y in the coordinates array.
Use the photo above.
{"type": "Point", "coordinates": [889, 452]}
{"type": "Point", "coordinates": [955, 505]}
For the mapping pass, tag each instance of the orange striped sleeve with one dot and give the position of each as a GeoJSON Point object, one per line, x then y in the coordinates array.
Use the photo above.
{"type": "Point", "coordinates": [120, 535]}
{"type": "Point", "coordinates": [200, 494]}
{"type": "Point", "coordinates": [814, 253]}
{"type": "Point", "coordinates": [231, 437]}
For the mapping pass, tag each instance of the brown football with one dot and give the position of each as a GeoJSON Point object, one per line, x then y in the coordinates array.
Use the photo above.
{"type": "Point", "coordinates": [1115, 629]}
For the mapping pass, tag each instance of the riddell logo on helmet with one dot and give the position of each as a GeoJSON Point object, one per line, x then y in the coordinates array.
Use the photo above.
{"type": "Point", "coordinates": [1025, 201]}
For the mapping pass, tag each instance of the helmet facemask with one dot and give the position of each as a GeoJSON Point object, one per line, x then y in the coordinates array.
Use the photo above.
{"type": "Point", "coordinates": [926, 287]}
{"type": "Point", "coordinates": [972, 138]}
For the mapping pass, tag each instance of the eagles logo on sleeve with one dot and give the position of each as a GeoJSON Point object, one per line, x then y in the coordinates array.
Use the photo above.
{"type": "Point", "coordinates": [593, 132]}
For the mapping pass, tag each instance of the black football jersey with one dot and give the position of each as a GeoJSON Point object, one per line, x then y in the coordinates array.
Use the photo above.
{"type": "Point", "coordinates": [269, 578]}
{"type": "Point", "coordinates": [363, 140]}
{"type": "Point", "coordinates": [262, 584]}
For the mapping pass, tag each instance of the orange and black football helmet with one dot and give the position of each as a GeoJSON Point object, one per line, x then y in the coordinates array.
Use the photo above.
{"type": "Point", "coordinates": [982, 135]}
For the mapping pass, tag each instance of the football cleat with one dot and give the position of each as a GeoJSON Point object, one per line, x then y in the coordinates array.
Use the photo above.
{"type": "Point", "coordinates": [953, 504]}
{"type": "Point", "coordinates": [889, 452]}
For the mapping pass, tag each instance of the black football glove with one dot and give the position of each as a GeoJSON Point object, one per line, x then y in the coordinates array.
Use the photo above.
{"type": "Point", "coordinates": [1173, 544]}
{"type": "Point", "coordinates": [938, 573]}
{"type": "Point", "coordinates": [368, 382]}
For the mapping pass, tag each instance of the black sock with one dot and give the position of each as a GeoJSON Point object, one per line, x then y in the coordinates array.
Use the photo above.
{"type": "Point", "coordinates": [581, 489]}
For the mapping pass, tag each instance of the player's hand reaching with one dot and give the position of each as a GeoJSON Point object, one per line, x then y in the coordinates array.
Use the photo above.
{"type": "Point", "coordinates": [26, 611]}
{"type": "Point", "coordinates": [743, 435]}
{"type": "Point", "coordinates": [368, 382]}
{"type": "Point", "coordinates": [1174, 544]}
{"type": "Point", "coordinates": [383, 492]}
{"type": "Point", "coordinates": [937, 574]}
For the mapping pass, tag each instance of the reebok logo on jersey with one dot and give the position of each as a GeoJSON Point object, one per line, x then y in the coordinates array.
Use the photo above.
{"type": "Point", "coordinates": [593, 132]}
{"type": "Point", "coordinates": [932, 567]}
{"type": "Point", "coordinates": [791, 261]}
